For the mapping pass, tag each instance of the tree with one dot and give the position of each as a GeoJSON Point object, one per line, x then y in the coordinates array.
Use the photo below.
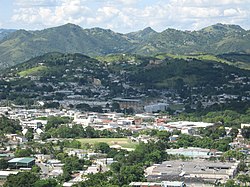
{"type": "Point", "coordinates": [83, 107]}
{"type": "Point", "coordinates": [154, 157]}
{"type": "Point", "coordinates": [72, 164]}
{"type": "Point", "coordinates": [233, 154]}
{"type": "Point", "coordinates": [97, 180]}
{"type": "Point", "coordinates": [23, 152]}
{"type": "Point", "coordinates": [163, 135]}
{"type": "Point", "coordinates": [244, 179]}
{"type": "Point", "coordinates": [233, 132]}
{"type": "Point", "coordinates": [3, 164]}
{"type": "Point", "coordinates": [230, 183]}
{"type": "Point", "coordinates": [102, 147]}
{"type": "Point", "coordinates": [46, 183]}
{"type": "Point", "coordinates": [9, 126]}
{"type": "Point", "coordinates": [131, 173]}
{"type": "Point", "coordinates": [3, 138]}
{"type": "Point", "coordinates": [245, 131]}
{"type": "Point", "coordinates": [54, 122]}
{"type": "Point", "coordinates": [91, 132]}
{"type": "Point", "coordinates": [29, 134]}
{"type": "Point", "coordinates": [35, 169]}
{"type": "Point", "coordinates": [52, 105]}
{"type": "Point", "coordinates": [22, 179]}
{"type": "Point", "coordinates": [115, 107]}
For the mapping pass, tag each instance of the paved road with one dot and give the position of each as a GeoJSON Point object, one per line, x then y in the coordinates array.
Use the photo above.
{"type": "Point", "coordinates": [44, 168]}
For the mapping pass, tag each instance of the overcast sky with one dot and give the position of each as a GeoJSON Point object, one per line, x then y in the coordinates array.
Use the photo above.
{"type": "Point", "coordinates": [124, 15]}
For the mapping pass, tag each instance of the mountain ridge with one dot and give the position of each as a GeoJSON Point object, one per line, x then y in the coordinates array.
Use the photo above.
{"type": "Point", "coordinates": [22, 45]}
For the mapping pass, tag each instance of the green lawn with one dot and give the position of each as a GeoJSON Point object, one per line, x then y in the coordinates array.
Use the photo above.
{"type": "Point", "coordinates": [124, 142]}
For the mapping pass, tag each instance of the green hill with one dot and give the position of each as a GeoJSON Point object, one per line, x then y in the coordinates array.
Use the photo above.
{"type": "Point", "coordinates": [22, 45]}
{"type": "Point", "coordinates": [58, 65]}
{"type": "Point", "coordinates": [55, 76]}
{"type": "Point", "coordinates": [240, 60]}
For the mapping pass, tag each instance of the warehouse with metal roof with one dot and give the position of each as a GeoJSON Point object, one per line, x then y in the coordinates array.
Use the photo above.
{"type": "Point", "coordinates": [25, 162]}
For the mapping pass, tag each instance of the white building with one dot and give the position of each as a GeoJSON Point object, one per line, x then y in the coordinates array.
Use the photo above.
{"type": "Point", "coordinates": [156, 107]}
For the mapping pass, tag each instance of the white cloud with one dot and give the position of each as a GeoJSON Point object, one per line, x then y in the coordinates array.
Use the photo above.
{"type": "Point", "coordinates": [207, 3]}
{"type": "Point", "coordinates": [128, 2]}
{"type": "Point", "coordinates": [230, 12]}
{"type": "Point", "coordinates": [29, 3]}
{"type": "Point", "coordinates": [67, 11]}
{"type": "Point", "coordinates": [131, 15]}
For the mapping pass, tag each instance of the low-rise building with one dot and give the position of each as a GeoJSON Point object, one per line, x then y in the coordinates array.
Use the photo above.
{"type": "Point", "coordinates": [194, 152]}
{"type": "Point", "coordinates": [156, 107]}
{"type": "Point", "coordinates": [25, 162]}
{"type": "Point", "coordinates": [193, 171]}
{"type": "Point", "coordinates": [5, 174]}
{"type": "Point", "coordinates": [158, 184]}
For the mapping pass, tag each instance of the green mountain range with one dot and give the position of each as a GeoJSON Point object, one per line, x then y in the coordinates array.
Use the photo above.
{"type": "Point", "coordinates": [22, 45]}
{"type": "Point", "coordinates": [5, 32]}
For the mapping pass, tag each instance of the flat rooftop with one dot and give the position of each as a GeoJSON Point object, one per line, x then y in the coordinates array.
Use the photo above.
{"type": "Point", "coordinates": [7, 173]}
{"type": "Point", "coordinates": [181, 124]}
{"type": "Point", "coordinates": [198, 166]}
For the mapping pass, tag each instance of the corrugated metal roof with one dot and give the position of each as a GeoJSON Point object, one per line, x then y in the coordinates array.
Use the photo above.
{"type": "Point", "coordinates": [24, 160]}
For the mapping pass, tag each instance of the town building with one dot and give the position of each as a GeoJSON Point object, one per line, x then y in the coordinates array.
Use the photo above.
{"type": "Point", "coordinates": [158, 184]}
{"type": "Point", "coordinates": [25, 162]}
{"type": "Point", "coordinates": [192, 171]}
{"type": "Point", "coordinates": [194, 152]}
{"type": "Point", "coordinates": [5, 174]}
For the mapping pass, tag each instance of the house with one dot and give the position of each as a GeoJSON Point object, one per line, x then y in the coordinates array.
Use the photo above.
{"type": "Point", "coordinates": [105, 161]}
{"type": "Point", "coordinates": [92, 169]}
{"type": "Point", "coordinates": [173, 138]}
{"type": "Point", "coordinates": [142, 138]}
{"type": "Point", "coordinates": [16, 138]}
{"type": "Point", "coordinates": [77, 152]}
{"type": "Point", "coordinates": [33, 124]}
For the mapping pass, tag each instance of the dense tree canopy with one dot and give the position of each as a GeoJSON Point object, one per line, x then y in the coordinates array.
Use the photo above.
{"type": "Point", "coordinates": [9, 125]}
{"type": "Point", "coordinates": [3, 164]}
{"type": "Point", "coordinates": [22, 179]}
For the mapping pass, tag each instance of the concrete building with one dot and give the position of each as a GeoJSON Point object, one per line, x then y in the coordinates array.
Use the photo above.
{"type": "Point", "coordinates": [194, 152]}
{"type": "Point", "coordinates": [156, 107]}
{"type": "Point", "coordinates": [5, 174]}
{"type": "Point", "coordinates": [125, 103]}
{"type": "Point", "coordinates": [158, 184]}
{"type": "Point", "coordinates": [33, 124]}
{"type": "Point", "coordinates": [193, 171]}
{"type": "Point", "coordinates": [244, 125]}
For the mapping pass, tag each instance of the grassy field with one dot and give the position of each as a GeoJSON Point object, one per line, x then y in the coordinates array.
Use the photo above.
{"type": "Point", "coordinates": [124, 142]}
{"type": "Point", "coordinates": [194, 56]}
{"type": "Point", "coordinates": [32, 71]}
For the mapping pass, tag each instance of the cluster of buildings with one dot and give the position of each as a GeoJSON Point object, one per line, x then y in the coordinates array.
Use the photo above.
{"type": "Point", "coordinates": [36, 119]}
{"type": "Point", "coordinates": [198, 171]}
